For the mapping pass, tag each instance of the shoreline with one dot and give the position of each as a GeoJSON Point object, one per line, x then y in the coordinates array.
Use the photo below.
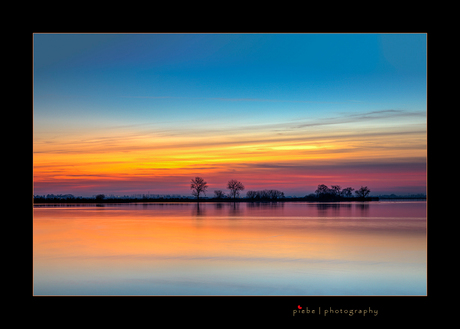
{"type": "Point", "coordinates": [41, 201]}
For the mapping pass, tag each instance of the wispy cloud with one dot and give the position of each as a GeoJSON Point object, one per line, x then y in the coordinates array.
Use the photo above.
{"type": "Point", "coordinates": [230, 99]}
{"type": "Point", "coordinates": [360, 117]}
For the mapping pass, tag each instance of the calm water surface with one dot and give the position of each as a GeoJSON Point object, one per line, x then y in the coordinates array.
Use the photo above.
{"type": "Point", "coordinates": [302, 249]}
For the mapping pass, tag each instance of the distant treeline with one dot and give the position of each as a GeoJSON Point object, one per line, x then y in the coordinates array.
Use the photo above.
{"type": "Point", "coordinates": [336, 193]}
{"type": "Point", "coordinates": [410, 196]}
{"type": "Point", "coordinates": [106, 199]}
{"type": "Point", "coordinates": [322, 193]}
{"type": "Point", "coordinates": [265, 195]}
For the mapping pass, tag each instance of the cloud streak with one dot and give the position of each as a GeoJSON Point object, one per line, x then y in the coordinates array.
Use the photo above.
{"type": "Point", "coordinates": [229, 99]}
{"type": "Point", "coordinates": [353, 118]}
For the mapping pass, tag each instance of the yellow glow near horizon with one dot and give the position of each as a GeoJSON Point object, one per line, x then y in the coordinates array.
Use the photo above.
{"type": "Point", "coordinates": [118, 155]}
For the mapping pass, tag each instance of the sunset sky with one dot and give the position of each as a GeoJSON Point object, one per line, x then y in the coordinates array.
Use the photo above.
{"type": "Point", "coordinates": [145, 113]}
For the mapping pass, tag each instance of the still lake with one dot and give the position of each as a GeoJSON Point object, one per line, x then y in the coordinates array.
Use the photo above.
{"type": "Point", "coordinates": [225, 249]}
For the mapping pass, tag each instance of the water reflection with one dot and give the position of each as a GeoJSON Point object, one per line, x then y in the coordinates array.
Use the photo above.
{"type": "Point", "coordinates": [272, 249]}
{"type": "Point", "coordinates": [234, 210]}
{"type": "Point", "coordinates": [332, 209]}
{"type": "Point", "coordinates": [270, 205]}
{"type": "Point", "coordinates": [363, 208]}
{"type": "Point", "coordinates": [198, 211]}
{"type": "Point", "coordinates": [340, 209]}
{"type": "Point", "coordinates": [218, 209]}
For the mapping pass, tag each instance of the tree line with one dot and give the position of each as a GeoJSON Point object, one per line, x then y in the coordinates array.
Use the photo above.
{"type": "Point", "coordinates": [199, 186]}
{"type": "Point", "coordinates": [323, 192]}
{"type": "Point", "coordinates": [335, 192]}
{"type": "Point", "coordinates": [265, 195]}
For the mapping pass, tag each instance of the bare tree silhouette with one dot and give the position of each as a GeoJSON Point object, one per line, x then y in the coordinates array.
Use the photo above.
{"type": "Point", "coordinates": [335, 190]}
{"type": "Point", "coordinates": [235, 187]}
{"type": "Point", "coordinates": [198, 186]}
{"type": "Point", "coordinates": [218, 194]}
{"type": "Point", "coordinates": [362, 192]}
{"type": "Point", "coordinates": [346, 192]}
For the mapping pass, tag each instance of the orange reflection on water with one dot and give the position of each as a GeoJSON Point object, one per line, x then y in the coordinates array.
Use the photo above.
{"type": "Point", "coordinates": [91, 243]}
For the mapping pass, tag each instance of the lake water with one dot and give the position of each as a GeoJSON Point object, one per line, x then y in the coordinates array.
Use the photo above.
{"type": "Point", "coordinates": [226, 249]}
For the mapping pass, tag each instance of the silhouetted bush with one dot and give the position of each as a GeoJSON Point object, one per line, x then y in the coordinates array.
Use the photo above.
{"type": "Point", "coordinates": [100, 197]}
{"type": "Point", "coordinates": [265, 195]}
{"type": "Point", "coordinates": [218, 194]}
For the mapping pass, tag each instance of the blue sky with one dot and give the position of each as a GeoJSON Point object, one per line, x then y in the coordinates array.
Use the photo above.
{"type": "Point", "coordinates": [229, 72]}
